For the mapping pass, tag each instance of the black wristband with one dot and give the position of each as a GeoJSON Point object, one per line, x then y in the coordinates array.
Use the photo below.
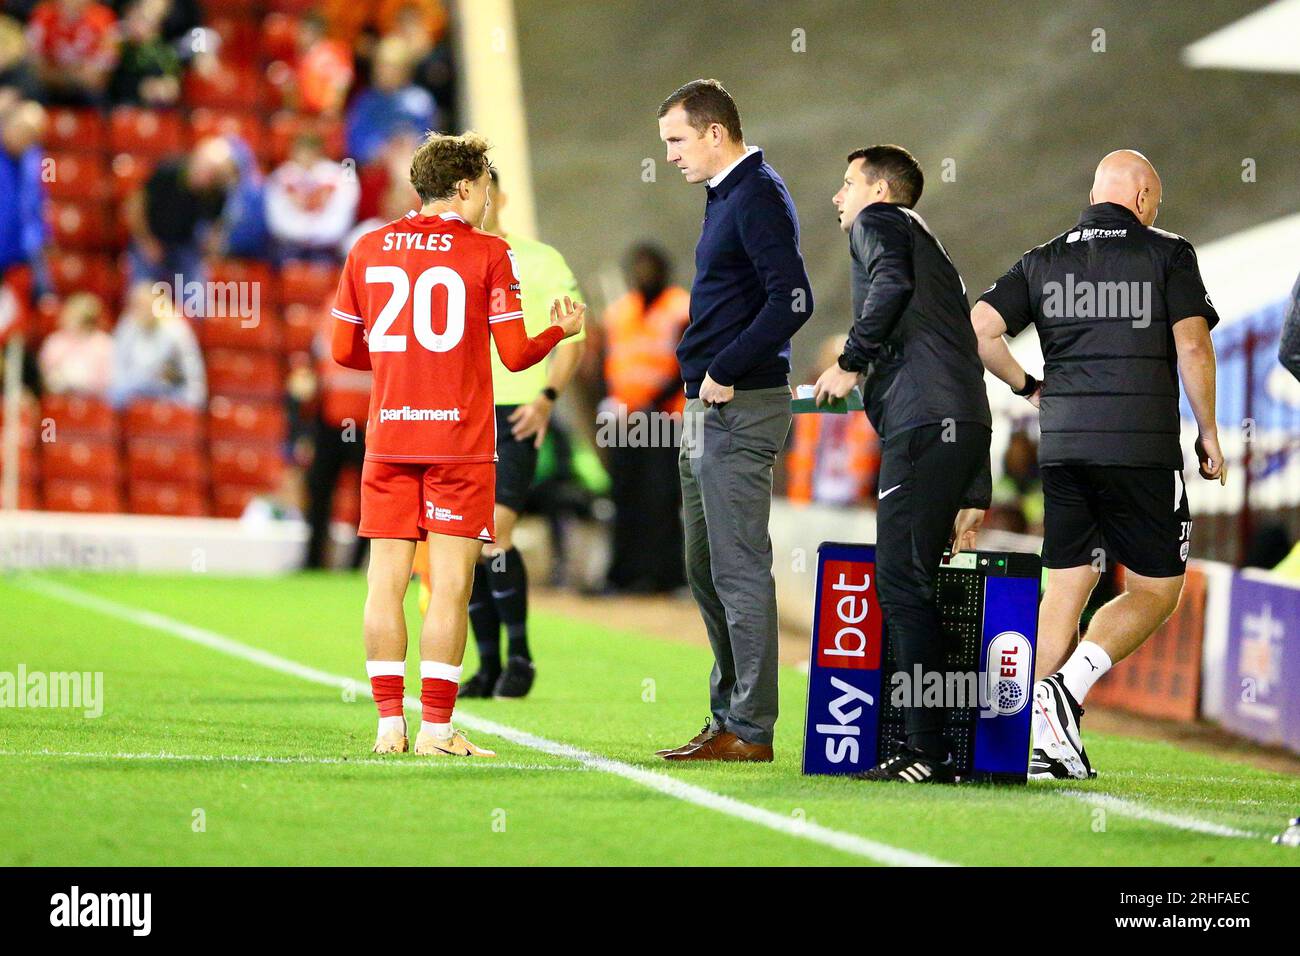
{"type": "Point", "coordinates": [550, 393]}
{"type": "Point", "coordinates": [1031, 386]}
{"type": "Point", "coordinates": [842, 360]}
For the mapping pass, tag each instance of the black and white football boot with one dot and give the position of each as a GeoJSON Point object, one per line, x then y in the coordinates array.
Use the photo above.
{"type": "Point", "coordinates": [1058, 752]}
{"type": "Point", "coordinates": [912, 766]}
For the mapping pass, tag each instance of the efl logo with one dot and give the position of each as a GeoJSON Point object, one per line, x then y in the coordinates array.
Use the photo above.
{"type": "Point", "coordinates": [848, 621]}
{"type": "Point", "coordinates": [1006, 673]}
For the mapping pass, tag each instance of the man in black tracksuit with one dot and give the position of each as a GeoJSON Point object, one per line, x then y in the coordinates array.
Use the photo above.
{"type": "Point", "coordinates": [1121, 314]}
{"type": "Point", "coordinates": [924, 393]}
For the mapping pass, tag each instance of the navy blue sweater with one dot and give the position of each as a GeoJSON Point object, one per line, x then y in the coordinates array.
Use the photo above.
{"type": "Point", "coordinates": [751, 291]}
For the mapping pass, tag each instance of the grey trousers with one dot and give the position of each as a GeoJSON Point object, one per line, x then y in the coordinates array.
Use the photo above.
{"type": "Point", "coordinates": [726, 464]}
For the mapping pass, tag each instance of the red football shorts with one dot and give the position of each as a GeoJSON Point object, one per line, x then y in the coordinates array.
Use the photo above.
{"type": "Point", "coordinates": [410, 500]}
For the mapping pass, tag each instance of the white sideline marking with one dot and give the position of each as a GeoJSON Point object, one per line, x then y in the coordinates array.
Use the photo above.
{"type": "Point", "coordinates": [654, 780]}
{"type": "Point", "coordinates": [393, 761]}
{"type": "Point", "coordinates": [1138, 811]}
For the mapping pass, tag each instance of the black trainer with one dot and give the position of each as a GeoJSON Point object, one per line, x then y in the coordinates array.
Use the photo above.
{"type": "Point", "coordinates": [480, 685]}
{"type": "Point", "coordinates": [517, 679]}
{"type": "Point", "coordinates": [912, 766]}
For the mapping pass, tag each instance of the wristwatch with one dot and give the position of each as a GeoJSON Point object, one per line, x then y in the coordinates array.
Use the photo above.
{"type": "Point", "coordinates": [841, 363]}
{"type": "Point", "coordinates": [1031, 386]}
{"type": "Point", "coordinates": [550, 393]}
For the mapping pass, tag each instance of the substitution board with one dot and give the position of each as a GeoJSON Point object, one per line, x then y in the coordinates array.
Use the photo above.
{"type": "Point", "coordinates": [988, 608]}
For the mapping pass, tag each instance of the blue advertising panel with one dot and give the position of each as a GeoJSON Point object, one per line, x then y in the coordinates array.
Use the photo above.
{"type": "Point", "coordinates": [989, 609]}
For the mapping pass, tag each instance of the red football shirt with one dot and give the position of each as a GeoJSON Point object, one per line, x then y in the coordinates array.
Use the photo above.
{"type": "Point", "coordinates": [425, 293]}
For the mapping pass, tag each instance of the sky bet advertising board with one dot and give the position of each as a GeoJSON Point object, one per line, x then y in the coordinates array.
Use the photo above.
{"type": "Point", "coordinates": [988, 606]}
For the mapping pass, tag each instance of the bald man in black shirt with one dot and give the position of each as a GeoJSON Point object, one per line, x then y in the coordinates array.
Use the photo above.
{"type": "Point", "coordinates": [1121, 311]}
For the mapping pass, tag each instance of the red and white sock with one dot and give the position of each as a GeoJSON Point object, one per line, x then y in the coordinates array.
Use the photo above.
{"type": "Point", "coordinates": [438, 686]}
{"type": "Point", "coordinates": [388, 686]}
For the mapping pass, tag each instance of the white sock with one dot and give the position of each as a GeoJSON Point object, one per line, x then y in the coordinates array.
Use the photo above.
{"type": "Point", "coordinates": [440, 731]}
{"type": "Point", "coordinates": [1088, 662]}
{"type": "Point", "coordinates": [388, 724]}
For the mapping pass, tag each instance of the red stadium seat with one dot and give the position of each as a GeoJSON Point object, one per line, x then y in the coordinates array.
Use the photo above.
{"type": "Point", "coordinates": [239, 37]}
{"type": "Point", "coordinates": [82, 224]}
{"type": "Point", "coordinates": [229, 501]}
{"type": "Point", "coordinates": [244, 374]}
{"type": "Point", "coordinates": [159, 419]}
{"type": "Point", "coordinates": [81, 459]}
{"type": "Point", "coordinates": [223, 85]}
{"type": "Point", "coordinates": [166, 498]}
{"type": "Point", "coordinates": [129, 173]}
{"type": "Point", "coordinates": [251, 271]}
{"type": "Point", "coordinates": [77, 175]}
{"type": "Point", "coordinates": [230, 420]}
{"type": "Point", "coordinates": [234, 332]}
{"type": "Point", "coordinates": [279, 38]}
{"type": "Point", "coordinates": [205, 122]}
{"type": "Point", "coordinates": [79, 416]}
{"type": "Point", "coordinates": [85, 272]}
{"type": "Point", "coordinates": [148, 459]}
{"type": "Point", "coordinates": [286, 125]}
{"type": "Point", "coordinates": [82, 130]}
{"type": "Point", "coordinates": [141, 131]}
{"type": "Point", "coordinates": [299, 328]}
{"type": "Point", "coordinates": [257, 465]}
{"type": "Point", "coordinates": [87, 496]}
{"type": "Point", "coordinates": [310, 283]}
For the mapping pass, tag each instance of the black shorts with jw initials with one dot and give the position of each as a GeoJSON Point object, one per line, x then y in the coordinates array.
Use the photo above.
{"type": "Point", "coordinates": [1136, 516]}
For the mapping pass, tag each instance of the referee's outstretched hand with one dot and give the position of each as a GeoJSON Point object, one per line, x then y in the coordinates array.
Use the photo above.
{"type": "Point", "coordinates": [1210, 456]}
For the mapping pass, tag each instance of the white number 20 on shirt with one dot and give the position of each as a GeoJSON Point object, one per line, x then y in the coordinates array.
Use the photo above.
{"type": "Point", "coordinates": [382, 340]}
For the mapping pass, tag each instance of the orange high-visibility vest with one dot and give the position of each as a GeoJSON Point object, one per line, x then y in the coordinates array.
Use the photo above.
{"type": "Point", "coordinates": [859, 440]}
{"type": "Point", "coordinates": [641, 347]}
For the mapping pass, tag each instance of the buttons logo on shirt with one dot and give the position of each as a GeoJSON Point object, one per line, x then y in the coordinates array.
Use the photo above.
{"type": "Point", "coordinates": [1088, 234]}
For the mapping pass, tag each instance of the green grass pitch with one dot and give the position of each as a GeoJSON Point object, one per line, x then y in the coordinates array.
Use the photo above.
{"type": "Point", "coordinates": [201, 757]}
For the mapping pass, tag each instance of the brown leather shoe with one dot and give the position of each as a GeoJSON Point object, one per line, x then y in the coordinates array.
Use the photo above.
{"type": "Point", "coordinates": [708, 733]}
{"type": "Point", "coordinates": [725, 746]}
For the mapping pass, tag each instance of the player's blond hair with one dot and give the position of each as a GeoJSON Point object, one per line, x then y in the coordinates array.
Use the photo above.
{"type": "Point", "coordinates": [442, 161]}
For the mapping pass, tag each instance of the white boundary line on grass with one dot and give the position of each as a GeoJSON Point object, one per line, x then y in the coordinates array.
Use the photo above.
{"type": "Point", "coordinates": [660, 782]}
{"type": "Point", "coordinates": [163, 755]}
{"type": "Point", "coordinates": [1138, 811]}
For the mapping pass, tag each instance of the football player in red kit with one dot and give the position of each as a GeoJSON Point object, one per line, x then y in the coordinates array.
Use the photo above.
{"type": "Point", "coordinates": [416, 303]}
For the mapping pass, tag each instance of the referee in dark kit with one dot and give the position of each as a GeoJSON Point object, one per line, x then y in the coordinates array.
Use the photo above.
{"type": "Point", "coordinates": [924, 393]}
{"type": "Point", "coordinates": [1121, 312]}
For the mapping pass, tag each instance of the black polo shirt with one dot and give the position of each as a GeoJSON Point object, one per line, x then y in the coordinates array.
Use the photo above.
{"type": "Point", "coordinates": [1105, 296]}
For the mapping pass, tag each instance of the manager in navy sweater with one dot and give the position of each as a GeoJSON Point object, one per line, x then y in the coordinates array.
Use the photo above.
{"type": "Point", "coordinates": [750, 295]}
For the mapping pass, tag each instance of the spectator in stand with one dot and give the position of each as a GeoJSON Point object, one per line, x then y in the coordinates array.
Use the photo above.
{"type": "Point", "coordinates": [338, 439]}
{"type": "Point", "coordinates": [74, 43]}
{"type": "Point", "coordinates": [431, 54]}
{"type": "Point", "coordinates": [241, 230]}
{"type": "Point", "coordinates": [386, 190]}
{"type": "Point", "coordinates": [392, 103]}
{"type": "Point", "coordinates": [641, 332]}
{"type": "Point", "coordinates": [311, 203]}
{"type": "Point", "coordinates": [23, 231]}
{"type": "Point", "coordinates": [17, 80]}
{"type": "Point", "coordinates": [834, 459]}
{"type": "Point", "coordinates": [78, 355]}
{"type": "Point", "coordinates": [155, 353]}
{"type": "Point", "coordinates": [148, 68]}
{"type": "Point", "coordinates": [171, 214]}
{"type": "Point", "coordinates": [324, 71]}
